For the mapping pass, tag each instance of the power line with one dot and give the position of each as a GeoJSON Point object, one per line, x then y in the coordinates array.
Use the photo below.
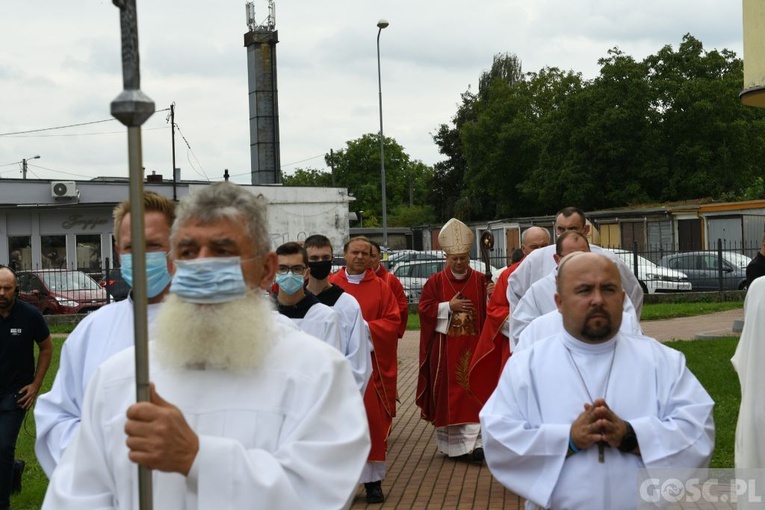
{"type": "Point", "coordinates": [190, 151]}
{"type": "Point", "coordinates": [67, 126]}
{"type": "Point", "coordinates": [121, 132]}
{"type": "Point", "coordinates": [303, 160]}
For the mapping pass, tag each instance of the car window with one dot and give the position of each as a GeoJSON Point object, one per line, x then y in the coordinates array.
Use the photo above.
{"type": "Point", "coordinates": [29, 283]}
{"type": "Point", "coordinates": [684, 262]}
{"type": "Point", "coordinates": [709, 262]}
{"type": "Point", "coordinates": [420, 270]}
{"type": "Point", "coordinates": [401, 271]}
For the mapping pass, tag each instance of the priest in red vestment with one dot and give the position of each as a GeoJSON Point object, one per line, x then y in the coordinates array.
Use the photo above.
{"type": "Point", "coordinates": [452, 312]}
{"type": "Point", "coordinates": [379, 309]}
{"type": "Point", "coordinates": [394, 284]}
{"type": "Point", "coordinates": [493, 348]}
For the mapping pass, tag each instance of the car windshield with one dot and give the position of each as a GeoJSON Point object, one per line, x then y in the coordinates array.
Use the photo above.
{"type": "Point", "coordinates": [736, 259]}
{"type": "Point", "coordinates": [62, 281]}
{"type": "Point", "coordinates": [642, 261]}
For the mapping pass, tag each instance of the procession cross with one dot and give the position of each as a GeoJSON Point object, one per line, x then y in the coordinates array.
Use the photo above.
{"type": "Point", "coordinates": [132, 107]}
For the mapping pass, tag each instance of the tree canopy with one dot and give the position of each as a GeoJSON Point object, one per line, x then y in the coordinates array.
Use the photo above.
{"type": "Point", "coordinates": [357, 167]}
{"type": "Point", "coordinates": [667, 128]}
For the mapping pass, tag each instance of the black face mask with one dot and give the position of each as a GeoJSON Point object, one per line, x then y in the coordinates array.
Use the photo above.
{"type": "Point", "coordinates": [320, 269]}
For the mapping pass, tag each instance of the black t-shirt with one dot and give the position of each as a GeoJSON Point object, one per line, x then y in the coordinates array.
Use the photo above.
{"type": "Point", "coordinates": [18, 332]}
{"type": "Point", "coordinates": [755, 268]}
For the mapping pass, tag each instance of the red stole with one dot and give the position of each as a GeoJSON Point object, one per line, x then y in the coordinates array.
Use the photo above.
{"type": "Point", "coordinates": [443, 386]}
{"type": "Point", "coordinates": [379, 309]}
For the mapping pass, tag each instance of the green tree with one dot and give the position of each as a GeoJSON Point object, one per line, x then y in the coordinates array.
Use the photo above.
{"type": "Point", "coordinates": [308, 177]}
{"type": "Point", "coordinates": [669, 127]}
{"type": "Point", "coordinates": [357, 167]}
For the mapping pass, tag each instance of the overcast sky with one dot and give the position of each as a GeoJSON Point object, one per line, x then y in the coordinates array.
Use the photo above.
{"type": "Point", "coordinates": [60, 65]}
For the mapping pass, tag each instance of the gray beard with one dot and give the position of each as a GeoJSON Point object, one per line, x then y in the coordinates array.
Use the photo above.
{"type": "Point", "coordinates": [233, 336]}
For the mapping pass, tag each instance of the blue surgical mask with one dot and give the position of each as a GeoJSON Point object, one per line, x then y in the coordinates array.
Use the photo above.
{"type": "Point", "coordinates": [209, 280]}
{"type": "Point", "coordinates": [157, 275]}
{"type": "Point", "coordinates": [289, 283]}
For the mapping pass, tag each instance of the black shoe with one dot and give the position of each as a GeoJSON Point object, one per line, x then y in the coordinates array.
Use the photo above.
{"type": "Point", "coordinates": [477, 455]}
{"type": "Point", "coordinates": [18, 470]}
{"type": "Point", "coordinates": [374, 492]}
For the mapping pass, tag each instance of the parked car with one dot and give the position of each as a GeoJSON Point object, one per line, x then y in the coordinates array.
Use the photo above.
{"type": "Point", "coordinates": [115, 285]}
{"type": "Point", "coordinates": [413, 275]}
{"type": "Point", "coordinates": [655, 278]}
{"type": "Point", "coordinates": [399, 256]}
{"type": "Point", "coordinates": [57, 291]}
{"type": "Point", "coordinates": [701, 268]}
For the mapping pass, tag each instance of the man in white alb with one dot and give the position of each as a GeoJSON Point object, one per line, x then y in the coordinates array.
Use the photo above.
{"type": "Point", "coordinates": [540, 297]}
{"type": "Point", "coordinates": [106, 331]}
{"type": "Point", "coordinates": [576, 415]}
{"type": "Point", "coordinates": [539, 263]}
{"type": "Point", "coordinates": [357, 343]}
{"type": "Point", "coordinates": [243, 411]}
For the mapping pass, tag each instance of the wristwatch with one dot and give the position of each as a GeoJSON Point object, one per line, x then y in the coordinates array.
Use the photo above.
{"type": "Point", "coordinates": [629, 442]}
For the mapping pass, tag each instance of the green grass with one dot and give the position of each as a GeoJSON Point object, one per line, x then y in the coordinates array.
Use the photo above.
{"type": "Point", "coordinates": [654, 311]}
{"type": "Point", "coordinates": [671, 310]}
{"type": "Point", "coordinates": [709, 360]}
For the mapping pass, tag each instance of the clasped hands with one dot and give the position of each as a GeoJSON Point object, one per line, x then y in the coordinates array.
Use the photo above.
{"type": "Point", "coordinates": [597, 423]}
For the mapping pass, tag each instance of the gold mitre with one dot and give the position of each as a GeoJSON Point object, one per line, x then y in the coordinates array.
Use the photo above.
{"type": "Point", "coordinates": [455, 237]}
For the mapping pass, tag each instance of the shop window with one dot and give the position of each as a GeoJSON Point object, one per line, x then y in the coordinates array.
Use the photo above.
{"type": "Point", "coordinates": [20, 253]}
{"type": "Point", "coordinates": [53, 252]}
{"type": "Point", "coordinates": [89, 254]}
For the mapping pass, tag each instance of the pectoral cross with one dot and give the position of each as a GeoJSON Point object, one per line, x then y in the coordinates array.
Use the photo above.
{"type": "Point", "coordinates": [601, 451]}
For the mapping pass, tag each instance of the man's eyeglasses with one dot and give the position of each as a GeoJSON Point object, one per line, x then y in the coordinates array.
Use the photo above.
{"type": "Point", "coordinates": [296, 270]}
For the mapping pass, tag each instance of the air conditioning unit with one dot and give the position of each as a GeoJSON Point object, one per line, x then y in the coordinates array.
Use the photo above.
{"type": "Point", "coordinates": [63, 189]}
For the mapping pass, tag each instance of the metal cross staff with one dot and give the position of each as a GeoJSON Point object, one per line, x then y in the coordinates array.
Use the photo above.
{"type": "Point", "coordinates": [132, 107]}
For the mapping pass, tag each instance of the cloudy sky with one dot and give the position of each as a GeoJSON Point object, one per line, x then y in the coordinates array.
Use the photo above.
{"type": "Point", "coordinates": [60, 65]}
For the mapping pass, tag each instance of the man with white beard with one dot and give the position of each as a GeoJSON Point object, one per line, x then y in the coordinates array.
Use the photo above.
{"type": "Point", "coordinates": [251, 411]}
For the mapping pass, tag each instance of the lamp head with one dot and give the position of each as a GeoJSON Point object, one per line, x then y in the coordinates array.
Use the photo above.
{"type": "Point", "coordinates": [383, 23]}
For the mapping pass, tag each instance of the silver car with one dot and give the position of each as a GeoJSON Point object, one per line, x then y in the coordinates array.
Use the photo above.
{"type": "Point", "coordinates": [654, 278]}
{"type": "Point", "coordinates": [413, 275]}
{"type": "Point", "coordinates": [702, 271]}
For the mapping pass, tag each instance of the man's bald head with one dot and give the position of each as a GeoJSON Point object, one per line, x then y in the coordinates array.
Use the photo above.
{"type": "Point", "coordinates": [589, 297]}
{"type": "Point", "coordinates": [570, 242]}
{"type": "Point", "coordinates": [534, 238]}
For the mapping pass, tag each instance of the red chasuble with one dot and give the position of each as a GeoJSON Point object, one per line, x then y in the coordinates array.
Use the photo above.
{"type": "Point", "coordinates": [493, 348]}
{"type": "Point", "coordinates": [379, 309]}
{"type": "Point", "coordinates": [443, 387]}
{"type": "Point", "coordinates": [398, 292]}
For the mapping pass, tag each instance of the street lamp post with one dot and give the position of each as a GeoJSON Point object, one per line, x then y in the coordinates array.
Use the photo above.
{"type": "Point", "coordinates": [380, 25]}
{"type": "Point", "coordinates": [24, 166]}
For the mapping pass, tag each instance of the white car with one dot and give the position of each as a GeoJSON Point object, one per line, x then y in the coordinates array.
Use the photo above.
{"type": "Point", "coordinates": [413, 275]}
{"type": "Point", "coordinates": [654, 278]}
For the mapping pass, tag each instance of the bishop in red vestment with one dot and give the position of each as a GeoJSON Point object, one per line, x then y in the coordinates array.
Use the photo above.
{"type": "Point", "coordinates": [452, 312]}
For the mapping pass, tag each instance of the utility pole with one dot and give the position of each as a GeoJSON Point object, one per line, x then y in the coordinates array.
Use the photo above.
{"type": "Point", "coordinates": [172, 134]}
{"type": "Point", "coordinates": [24, 166]}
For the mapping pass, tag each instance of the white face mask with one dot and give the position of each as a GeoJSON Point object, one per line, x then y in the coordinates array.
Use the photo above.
{"type": "Point", "coordinates": [209, 280]}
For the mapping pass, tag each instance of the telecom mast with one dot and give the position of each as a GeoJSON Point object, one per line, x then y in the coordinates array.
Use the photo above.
{"type": "Point", "coordinates": [260, 41]}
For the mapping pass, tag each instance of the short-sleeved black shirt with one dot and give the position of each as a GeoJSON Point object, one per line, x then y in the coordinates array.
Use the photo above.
{"type": "Point", "coordinates": [18, 332]}
{"type": "Point", "coordinates": [755, 269]}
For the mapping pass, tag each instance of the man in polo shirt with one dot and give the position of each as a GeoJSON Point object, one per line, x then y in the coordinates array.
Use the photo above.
{"type": "Point", "coordinates": [21, 326]}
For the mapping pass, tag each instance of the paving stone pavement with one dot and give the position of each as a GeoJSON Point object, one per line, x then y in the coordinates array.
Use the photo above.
{"type": "Point", "coordinates": [419, 477]}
